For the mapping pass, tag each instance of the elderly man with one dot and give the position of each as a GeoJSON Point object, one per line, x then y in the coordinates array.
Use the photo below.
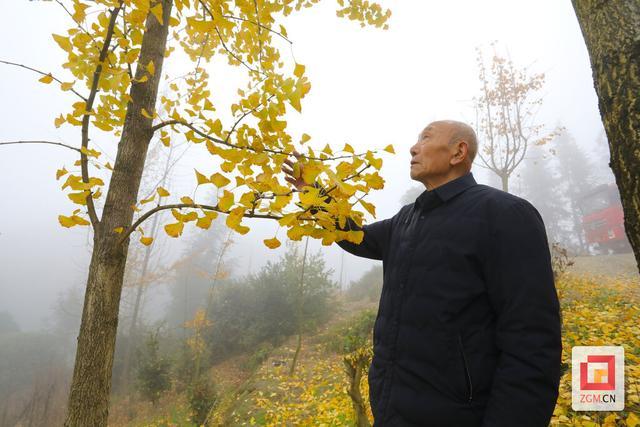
{"type": "Point", "coordinates": [468, 325]}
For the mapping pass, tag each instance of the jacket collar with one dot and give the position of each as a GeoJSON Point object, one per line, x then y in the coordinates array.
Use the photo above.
{"type": "Point", "coordinates": [446, 191]}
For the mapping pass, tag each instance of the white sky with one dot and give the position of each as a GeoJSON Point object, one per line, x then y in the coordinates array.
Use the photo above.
{"type": "Point", "coordinates": [369, 88]}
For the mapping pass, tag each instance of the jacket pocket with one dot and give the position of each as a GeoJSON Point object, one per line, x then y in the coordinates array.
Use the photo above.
{"type": "Point", "coordinates": [467, 372]}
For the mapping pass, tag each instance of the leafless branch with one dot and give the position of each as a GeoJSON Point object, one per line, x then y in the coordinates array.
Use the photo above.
{"type": "Point", "coordinates": [42, 73]}
{"type": "Point", "coordinates": [41, 142]}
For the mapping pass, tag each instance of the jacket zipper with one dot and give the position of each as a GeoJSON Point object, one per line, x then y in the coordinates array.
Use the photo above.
{"type": "Point", "coordinates": [466, 369]}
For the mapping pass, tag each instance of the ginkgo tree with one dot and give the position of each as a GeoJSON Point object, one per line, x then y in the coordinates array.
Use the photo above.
{"type": "Point", "coordinates": [115, 52]}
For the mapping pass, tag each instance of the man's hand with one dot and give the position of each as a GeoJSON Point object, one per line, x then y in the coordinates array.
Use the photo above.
{"type": "Point", "coordinates": [294, 171]}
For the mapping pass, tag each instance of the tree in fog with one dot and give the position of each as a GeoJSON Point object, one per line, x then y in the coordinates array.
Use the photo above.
{"type": "Point", "coordinates": [577, 178]}
{"type": "Point", "coordinates": [263, 307]}
{"type": "Point", "coordinates": [541, 186]}
{"type": "Point", "coordinates": [8, 324]}
{"type": "Point", "coordinates": [506, 114]}
{"type": "Point", "coordinates": [193, 274]}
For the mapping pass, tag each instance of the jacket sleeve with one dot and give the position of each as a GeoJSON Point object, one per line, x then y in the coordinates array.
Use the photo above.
{"type": "Point", "coordinates": [375, 241]}
{"type": "Point", "coordinates": [522, 293]}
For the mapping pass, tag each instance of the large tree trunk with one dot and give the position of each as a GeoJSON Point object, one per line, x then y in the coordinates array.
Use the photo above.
{"type": "Point", "coordinates": [91, 384]}
{"type": "Point", "coordinates": [611, 30]}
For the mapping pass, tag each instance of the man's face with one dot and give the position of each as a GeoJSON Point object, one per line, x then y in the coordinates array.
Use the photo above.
{"type": "Point", "coordinates": [431, 154]}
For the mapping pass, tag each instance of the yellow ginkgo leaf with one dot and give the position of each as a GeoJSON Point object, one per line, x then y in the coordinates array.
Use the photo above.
{"type": "Point", "coordinates": [348, 148]}
{"type": "Point", "coordinates": [175, 229]}
{"type": "Point", "coordinates": [202, 179]}
{"type": "Point", "coordinates": [204, 222]}
{"type": "Point", "coordinates": [63, 42]}
{"type": "Point", "coordinates": [369, 207]}
{"type": "Point", "coordinates": [162, 192]}
{"type": "Point", "coordinates": [58, 121]}
{"type": "Point", "coordinates": [150, 67]}
{"type": "Point", "coordinates": [298, 71]}
{"type": "Point", "coordinates": [79, 198]}
{"type": "Point", "coordinates": [149, 200]}
{"type": "Point", "coordinates": [157, 12]}
{"type": "Point", "coordinates": [389, 149]}
{"type": "Point", "coordinates": [272, 243]}
{"type": "Point", "coordinates": [226, 201]}
{"type": "Point", "coordinates": [219, 180]}
{"type": "Point", "coordinates": [46, 79]}
{"type": "Point", "coordinates": [66, 221]}
{"type": "Point", "coordinates": [146, 114]}
{"type": "Point", "coordinates": [66, 86]}
{"type": "Point", "coordinates": [146, 240]}
{"type": "Point", "coordinates": [118, 229]}
{"type": "Point", "coordinates": [187, 200]}
{"type": "Point", "coordinates": [61, 172]}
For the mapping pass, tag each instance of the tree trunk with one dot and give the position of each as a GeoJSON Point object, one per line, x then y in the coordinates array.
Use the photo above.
{"type": "Point", "coordinates": [611, 30]}
{"type": "Point", "coordinates": [505, 182]}
{"type": "Point", "coordinates": [299, 311]}
{"type": "Point", "coordinates": [91, 383]}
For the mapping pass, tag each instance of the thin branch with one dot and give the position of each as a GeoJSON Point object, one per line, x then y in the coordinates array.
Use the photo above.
{"type": "Point", "coordinates": [259, 25]}
{"type": "Point", "coordinates": [77, 23]}
{"type": "Point", "coordinates": [42, 142]}
{"type": "Point", "coordinates": [255, 3]}
{"type": "Point", "coordinates": [253, 110]}
{"type": "Point", "coordinates": [147, 214]}
{"type": "Point", "coordinates": [228, 144]}
{"type": "Point", "coordinates": [204, 6]}
{"type": "Point", "coordinates": [43, 73]}
{"type": "Point", "coordinates": [89, 106]}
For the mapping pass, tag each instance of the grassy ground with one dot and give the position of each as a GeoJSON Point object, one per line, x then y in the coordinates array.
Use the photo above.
{"type": "Point", "coordinates": [600, 300]}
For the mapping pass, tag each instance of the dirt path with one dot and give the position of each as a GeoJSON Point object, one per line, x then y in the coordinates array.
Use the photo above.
{"type": "Point", "coordinates": [618, 265]}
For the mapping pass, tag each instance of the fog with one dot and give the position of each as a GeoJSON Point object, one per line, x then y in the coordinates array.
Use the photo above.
{"type": "Point", "coordinates": [370, 88]}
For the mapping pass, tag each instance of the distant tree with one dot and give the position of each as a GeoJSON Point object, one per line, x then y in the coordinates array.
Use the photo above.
{"type": "Point", "coordinates": [262, 307]}
{"type": "Point", "coordinates": [577, 178]}
{"type": "Point", "coordinates": [542, 187]}
{"type": "Point", "coordinates": [7, 323]}
{"type": "Point", "coordinates": [194, 272]}
{"type": "Point", "coordinates": [611, 30]}
{"type": "Point", "coordinates": [505, 111]}
{"type": "Point", "coordinates": [153, 369]}
{"type": "Point", "coordinates": [368, 286]}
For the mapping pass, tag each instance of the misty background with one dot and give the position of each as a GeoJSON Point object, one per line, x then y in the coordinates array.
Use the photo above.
{"type": "Point", "coordinates": [370, 88]}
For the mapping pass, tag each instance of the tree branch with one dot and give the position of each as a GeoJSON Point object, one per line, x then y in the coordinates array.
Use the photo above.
{"type": "Point", "coordinates": [259, 25]}
{"type": "Point", "coordinates": [41, 142]}
{"type": "Point", "coordinates": [147, 214]}
{"type": "Point", "coordinates": [44, 74]}
{"type": "Point", "coordinates": [89, 106]}
{"type": "Point", "coordinates": [228, 144]}
{"type": "Point", "coordinates": [229, 51]}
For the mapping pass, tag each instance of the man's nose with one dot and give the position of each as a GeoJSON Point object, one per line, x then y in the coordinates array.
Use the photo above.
{"type": "Point", "coordinates": [413, 150]}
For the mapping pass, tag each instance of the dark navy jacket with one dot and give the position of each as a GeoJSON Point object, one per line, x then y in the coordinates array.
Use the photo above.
{"type": "Point", "coordinates": [468, 327]}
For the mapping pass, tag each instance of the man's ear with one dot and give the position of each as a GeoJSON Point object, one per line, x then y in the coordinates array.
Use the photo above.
{"type": "Point", "coordinates": [461, 152]}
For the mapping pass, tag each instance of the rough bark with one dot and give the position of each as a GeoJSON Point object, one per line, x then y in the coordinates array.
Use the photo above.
{"type": "Point", "coordinates": [611, 30]}
{"type": "Point", "coordinates": [91, 383]}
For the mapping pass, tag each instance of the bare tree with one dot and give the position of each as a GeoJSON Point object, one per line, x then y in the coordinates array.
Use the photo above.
{"type": "Point", "coordinates": [506, 115]}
